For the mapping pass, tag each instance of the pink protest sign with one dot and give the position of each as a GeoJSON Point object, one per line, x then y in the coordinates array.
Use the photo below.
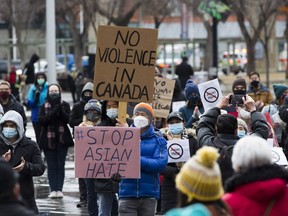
{"type": "Point", "coordinates": [102, 151]}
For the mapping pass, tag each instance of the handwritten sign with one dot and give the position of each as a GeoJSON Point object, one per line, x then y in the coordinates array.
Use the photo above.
{"type": "Point", "coordinates": [178, 150]}
{"type": "Point", "coordinates": [125, 64]}
{"type": "Point", "coordinates": [210, 93]}
{"type": "Point", "coordinates": [163, 93]}
{"type": "Point", "coordinates": [177, 105]}
{"type": "Point", "coordinates": [102, 151]}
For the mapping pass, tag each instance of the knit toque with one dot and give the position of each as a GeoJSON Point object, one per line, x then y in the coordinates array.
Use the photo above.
{"type": "Point", "coordinates": [279, 90]}
{"type": "Point", "coordinates": [190, 88]}
{"type": "Point", "coordinates": [144, 107]}
{"type": "Point", "coordinates": [239, 82]}
{"type": "Point", "coordinates": [200, 177]}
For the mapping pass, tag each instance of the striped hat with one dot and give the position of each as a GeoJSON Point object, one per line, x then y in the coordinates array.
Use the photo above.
{"type": "Point", "coordinates": [200, 177]}
{"type": "Point", "coordinates": [144, 107]}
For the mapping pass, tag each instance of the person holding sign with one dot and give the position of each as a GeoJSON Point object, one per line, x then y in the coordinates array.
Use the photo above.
{"type": "Point", "coordinates": [193, 109]}
{"type": "Point", "coordinates": [176, 130]}
{"type": "Point", "coordinates": [91, 117]}
{"type": "Point", "coordinates": [138, 196]}
{"type": "Point", "coordinates": [259, 186]}
{"type": "Point", "coordinates": [55, 137]}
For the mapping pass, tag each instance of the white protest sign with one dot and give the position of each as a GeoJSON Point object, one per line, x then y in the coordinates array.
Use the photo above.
{"type": "Point", "coordinates": [278, 156]}
{"type": "Point", "coordinates": [178, 150]}
{"type": "Point", "coordinates": [177, 105]}
{"type": "Point", "coordinates": [210, 93]}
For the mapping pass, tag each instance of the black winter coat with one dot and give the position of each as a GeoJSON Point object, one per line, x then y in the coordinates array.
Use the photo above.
{"type": "Point", "coordinates": [76, 116]}
{"type": "Point", "coordinates": [60, 112]}
{"type": "Point", "coordinates": [34, 166]}
{"type": "Point", "coordinates": [12, 208]}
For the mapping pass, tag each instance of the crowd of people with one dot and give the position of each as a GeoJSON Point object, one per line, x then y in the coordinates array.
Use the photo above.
{"type": "Point", "coordinates": [230, 170]}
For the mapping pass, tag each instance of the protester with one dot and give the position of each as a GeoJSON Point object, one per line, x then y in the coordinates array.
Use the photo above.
{"type": "Point", "coordinates": [22, 153]}
{"type": "Point", "coordinates": [10, 197]}
{"type": "Point", "coordinates": [79, 85]}
{"type": "Point", "coordinates": [75, 119]}
{"type": "Point", "coordinates": [220, 131]}
{"type": "Point", "coordinates": [138, 196]}
{"type": "Point", "coordinates": [13, 80]}
{"type": "Point", "coordinates": [28, 76]}
{"type": "Point", "coordinates": [55, 137]}
{"type": "Point", "coordinates": [36, 97]}
{"type": "Point", "coordinates": [184, 71]}
{"type": "Point", "coordinates": [242, 129]}
{"type": "Point", "coordinates": [175, 130]}
{"type": "Point", "coordinates": [259, 187]}
{"type": "Point", "coordinates": [259, 93]}
{"type": "Point", "coordinates": [8, 101]}
{"type": "Point", "coordinates": [92, 117]}
{"type": "Point", "coordinates": [199, 185]}
{"type": "Point", "coordinates": [193, 108]}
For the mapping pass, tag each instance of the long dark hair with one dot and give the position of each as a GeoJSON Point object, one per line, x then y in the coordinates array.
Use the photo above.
{"type": "Point", "coordinates": [219, 207]}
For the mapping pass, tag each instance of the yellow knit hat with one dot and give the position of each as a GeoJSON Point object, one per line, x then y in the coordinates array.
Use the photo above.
{"type": "Point", "coordinates": [200, 176]}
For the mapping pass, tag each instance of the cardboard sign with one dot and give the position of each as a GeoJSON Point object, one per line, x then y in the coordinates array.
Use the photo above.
{"type": "Point", "coordinates": [163, 93]}
{"type": "Point", "coordinates": [210, 93]}
{"type": "Point", "coordinates": [102, 151]}
{"type": "Point", "coordinates": [125, 64]}
{"type": "Point", "coordinates": [177, 105]}
{"type": "Point", "coordinates": [178, 150]}
{"type": "Point", "coordinates": [278, 156]}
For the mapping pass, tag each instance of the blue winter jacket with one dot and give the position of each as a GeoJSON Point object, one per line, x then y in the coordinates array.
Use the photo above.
{"type": "Point", "coordinates": [154, 159]}
{"type": "Point", "coordinates": [31, 101]}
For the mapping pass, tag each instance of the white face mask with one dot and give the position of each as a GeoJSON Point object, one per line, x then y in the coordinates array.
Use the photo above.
{"type": "Point", "coordinates": [112, 113]}
{"type": "Point", "coordinates": [141, 121]}
{"type": "Point", "coordinates": [244, 114]}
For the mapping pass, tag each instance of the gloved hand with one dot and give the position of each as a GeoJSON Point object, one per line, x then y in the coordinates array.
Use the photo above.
{"type": "Point", "coordinates": [37, 96]}
{"type": "Point", "coordinates": [116, 177]}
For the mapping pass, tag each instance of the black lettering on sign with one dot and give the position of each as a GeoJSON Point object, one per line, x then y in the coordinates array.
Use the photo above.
{"type": "Point", "coordinates": [132, 38]}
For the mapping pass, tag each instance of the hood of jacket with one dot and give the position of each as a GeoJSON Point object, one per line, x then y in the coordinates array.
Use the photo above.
{"type": "Point", "coordinates": [15, 117]}
{"type": "Point", "coordinates": [34, 58]}
{"type": "Point", "coordinates": [87, 87]}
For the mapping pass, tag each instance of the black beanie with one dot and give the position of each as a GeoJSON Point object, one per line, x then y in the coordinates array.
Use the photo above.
{"type": "Point", "coordinates": [237, 82]}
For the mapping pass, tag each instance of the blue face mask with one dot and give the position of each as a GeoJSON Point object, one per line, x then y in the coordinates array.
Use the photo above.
{"type": "Point", "coordinates": [176, 128]}
{"type": "Point", "coordinates": [9, 132]}
{"type": "Point", "coordinates": [112, 113]}
{"type": "Point", "coordinates": [241, 133]}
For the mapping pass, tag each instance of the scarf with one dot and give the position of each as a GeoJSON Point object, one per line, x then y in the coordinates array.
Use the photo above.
{"type": "Point", "coordinates": [55, 133]}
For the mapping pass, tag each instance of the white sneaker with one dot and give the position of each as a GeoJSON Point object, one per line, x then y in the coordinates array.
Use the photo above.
{"type": "Point", "coordinates": [59, 194]}
{"type": "Point", "coordinates": [53, 195]}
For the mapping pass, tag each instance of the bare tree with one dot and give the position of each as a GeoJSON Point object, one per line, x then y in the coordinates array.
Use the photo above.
{"type": "Point", "coordinates": [20, 15]}
{"type": "Point", "coordinates": [159, 10]}
{"type": "Point", "coordinates": [257, 14]}
{"type": "Point", "coordinates": [118, 12]}
{"type": "Point", "coordinates": [69, 12]}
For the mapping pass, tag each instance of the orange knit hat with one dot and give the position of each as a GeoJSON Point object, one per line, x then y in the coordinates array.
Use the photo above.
{"type": "Point", "coordinates": [144, 107]}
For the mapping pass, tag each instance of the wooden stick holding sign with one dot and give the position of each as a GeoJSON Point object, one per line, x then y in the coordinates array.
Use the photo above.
{"type": "Point", "coordinates": [122, 112]}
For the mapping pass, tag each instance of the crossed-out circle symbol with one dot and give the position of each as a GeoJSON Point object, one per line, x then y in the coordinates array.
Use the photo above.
{"type": "Point", "coordinates": [175, 151]}
{"type": "Point", "coordinates": [275, 156]}
{"type": "Point", "coordinates": [211, 95]}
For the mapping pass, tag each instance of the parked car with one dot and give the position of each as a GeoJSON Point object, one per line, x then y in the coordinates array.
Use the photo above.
{"type": "Point", "coordinates": [235, 62]}
{"type": "Point", "coordinates": [42, 66]}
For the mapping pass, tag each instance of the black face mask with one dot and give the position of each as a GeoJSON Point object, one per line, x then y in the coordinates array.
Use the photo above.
{"type": "Point", "coordinates": [86, 98]}
{"type": "Point", "coordinates": [54, 98]}
{"type": "Point", "coordinates": [255, 83]}
{"type": "Point", "coordinates": [93, 117]}
{"type": "Point", "coordinates": [239, 92]}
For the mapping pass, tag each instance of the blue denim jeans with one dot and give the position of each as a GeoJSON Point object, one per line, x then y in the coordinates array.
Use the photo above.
{"type": "Point", "coordinates": [105, 203]}
{"type": "Point", "coordinates": [91, 197]}
{"type": "Point", "coordinates": [137, 206]}
{"type": "Point", "coordinates": [56, 167]}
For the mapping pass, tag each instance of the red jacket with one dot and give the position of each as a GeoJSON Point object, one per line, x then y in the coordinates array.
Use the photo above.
{"type": "Point", "coordinates": [252, 199]}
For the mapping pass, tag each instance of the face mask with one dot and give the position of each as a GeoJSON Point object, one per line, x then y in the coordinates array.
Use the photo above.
{"type": "Point", "coordinates": [141, 122]}
{"type": "Point", "coordinates": [239, 92]}
{"type": "Point", "coordinates": [86, 98]}
{"type": "Point", "coordinates": [9, 132]}
{"type": "Point", "coordinates": [112, 113]}
{"type": "Point", "coordinates": [93, 117]}
{"type": "Point", "coordinates": [40, 81]}
{"type": "Point", "coordinates": [54, 97]}
{"type": "Point", "coordinates": [255, 83]}
{"type": "Point", "coordinates": [244, 114]}
{"type": "Point", "coordinates": [241, 133]}
{"type": "Point", "coordinates": [176, 128]}
{"type": "Point", "coordinates": [4, 95]}
{"type": "Point", "coordinates": [158, 124]}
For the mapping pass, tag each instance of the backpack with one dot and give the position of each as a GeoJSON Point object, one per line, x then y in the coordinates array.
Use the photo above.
{"type": "Point", "coordinates": [225, 162]}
